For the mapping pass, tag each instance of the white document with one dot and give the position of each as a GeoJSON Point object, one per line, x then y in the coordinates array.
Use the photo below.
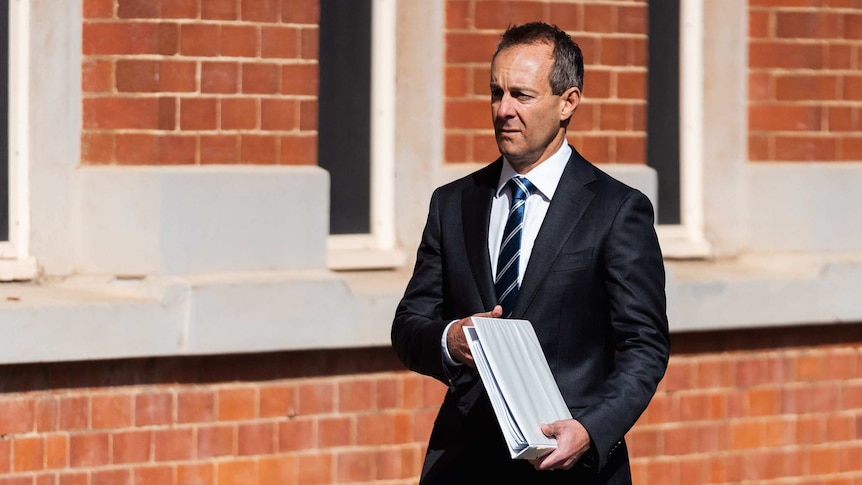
{"type": "Point", "coordinates": [519, 382]}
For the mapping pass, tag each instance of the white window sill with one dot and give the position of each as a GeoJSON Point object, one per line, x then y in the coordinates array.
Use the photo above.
{"type": "Point", "coordinates": [18, 269]}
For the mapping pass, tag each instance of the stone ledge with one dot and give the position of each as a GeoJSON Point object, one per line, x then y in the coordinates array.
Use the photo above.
{"type": "Point", "coordinates": [102, 317]}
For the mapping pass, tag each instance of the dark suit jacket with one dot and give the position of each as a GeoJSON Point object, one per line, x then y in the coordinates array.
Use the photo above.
{"type": "Point", "coordinates": [594, 291]}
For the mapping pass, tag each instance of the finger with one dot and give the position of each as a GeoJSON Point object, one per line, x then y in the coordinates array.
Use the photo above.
{"type": "Point", "coordinates": [497, 312]}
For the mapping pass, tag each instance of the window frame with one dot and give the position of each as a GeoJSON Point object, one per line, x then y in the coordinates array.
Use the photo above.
{"type": "Point", "coordinates": [15, 261]}
{"type": "Point", "coordinates": [378, 248]}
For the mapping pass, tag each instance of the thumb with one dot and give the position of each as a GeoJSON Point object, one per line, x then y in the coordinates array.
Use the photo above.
{"type": "Point", "coordinates": [497, 312]}
{"type": "Point", "coordinates": [549, 430]}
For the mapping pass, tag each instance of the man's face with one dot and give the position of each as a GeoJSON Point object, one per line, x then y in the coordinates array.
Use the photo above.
{"type": "Point", "coordinates": [526, 114]}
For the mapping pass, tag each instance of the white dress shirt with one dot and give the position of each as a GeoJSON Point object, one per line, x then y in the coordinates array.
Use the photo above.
{"type": "Point", "coordinates": [545, 177]}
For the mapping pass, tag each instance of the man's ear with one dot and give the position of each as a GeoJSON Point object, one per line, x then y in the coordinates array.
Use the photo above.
{"type": "Point", "coordinates": [570, 99]}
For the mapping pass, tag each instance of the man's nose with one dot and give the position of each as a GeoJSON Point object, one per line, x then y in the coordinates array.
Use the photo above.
{"type": "Point", "coordinates": [505, 107]}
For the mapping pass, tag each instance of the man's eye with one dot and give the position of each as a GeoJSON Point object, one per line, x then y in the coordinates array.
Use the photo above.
{"type": "Point", "coordinates": [496, 93]}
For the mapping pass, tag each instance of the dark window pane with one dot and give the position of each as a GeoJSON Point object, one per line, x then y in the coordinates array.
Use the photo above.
{"type": "Point", "coordinates": [344, 130]}
{"type": "Point", "coordinates": [4, 123]}
{"type": "Point", "coordinates": [663, 147]}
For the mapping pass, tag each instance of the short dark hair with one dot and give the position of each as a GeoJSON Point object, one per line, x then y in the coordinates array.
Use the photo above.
{"type": "Point", "coordinates": [568, 68]}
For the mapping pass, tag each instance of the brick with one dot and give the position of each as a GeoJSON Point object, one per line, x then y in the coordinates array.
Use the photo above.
{"type": "Point", "coordinates": [177, 76]}
{"type": "Point", "coordinates": [316, 469]}
{"type": "Point", "coordinates": [177, 150]}
{"type": "Point", "coordinates": [807, 25]}
{"type": "Point", "coordinates": [600, 18]}
{"type": "Point", "coordinates": [16, 416]}
{"type": "Point", "coordinates": [137, 76]}
{"type": "Point", "coordinates": [316, 398]}
{"type": "Point", "coordinates": [198, 114]}
{"type": "Point", "coordinates": [760, 86]}
{"type": "Point", "coordinates": [309, 43]}
{"type": "Point", "coordinates": [5, 456]}
{"type": "Point", "coordinates": [154, 408]}
{"type": "Point", "coordinates": [197, 474]}
{"type": "Point", "coordinates": [118, 38]}
{"type": "Point", "coordinates": [111, 477]}
{"type": "Point", "coordinates": [296, 435]}
{"type": "Point", "coordinates": [214, 441]}
{"type": "Point", "coordinates": [153, 475]}
{"type": "Point", "coordinates": [237, 403]}
{"type": "Point", "coordinates": [121, 113]}
{"type": "Point", "coordinates": [851, 149]}
{"type": "Point", "coordinates": [839, 57]}
{"type": "Point", "coordinates": [586, 118]}
{"type": "Point", "coordinates": [784, 55]}
{"type": "Point", "coordinates": [568, 16]}
{"type": "Point", "coordinates": [87, 450]}
{"type": "Point", "coordinates": [218, 149]}
{"type": "Point", "coordinates": [240, 472]}
{"type": "Point", "coordinates": [111, 411]}
{"type": "Point", "coordinates": [260, 78]}
{"type": "Point", "coordinates": [98, 9]}
{"type": "Point", "coordinates": [45, 479]}
{"type": "Point", "coordinates": [219, 77]}
{"type": "Point", "coordinates": [300, 11]}
{"type": "Point", "coordinates": [56, 451]}
{"type": "Point", "coordinates": [137, 149]}
{"type": "Point", "coordinates": [131, 446]}
{"type": "Point", "coordinates": [256, 439]}
{"type": "Point", "coordinates": [28, 454]}
{"type": "Point", "coordinates": [130, 9]}
{"type": "Point", "coordinates": [467, 114]}
{"type": "Point", "coordinates": [784, 118]}
{"type": "Point", "coordinates": [278, 400]}
{"type": "Point", "coordinates": [239, 41]}
{"type": "Point", "coordinates": [278, 114]}
{"type": "Point", "coordinates": [375, 429]}
{"type": "Point", "coordinates": [596, 148]}
{"type": "Point", "coordinates": [167, 39]}
{"type": "Point", "coordinates": [278, 469]}
{"type": "Point", "coordinates": [220, 10]}
{"type": "Point", "coordinates": [824, 461]}
{"type": "Point", "coordinates": [598, 85]}
{"type": "Point", "coordinates": [335, 432]}
{"type": "Point", "coordinates": [840, 428]}
{"type": "Point", "coordinates": [841, 118]}
{"type": "Point", "coordinates": [457, 81]}
{"type": "Point", "coordinates": [258, 149]}
{"type": "Point", "coordinates": [196, 406]}
{"type": "Point", "coordinates": [662, 471]}
{"type": "Point", "coordinates": [632, 19]}
{"type": "Point", "coordinates": [758, 148]}
{"type": "Point", "coordinates": [97, 76]}
{"type": "Point", "coordinates": [308, 113]}
{"type": "Point", "coordinates": [238, 113]}
{"type": "Point", "coordinates": [499, 15]}
{"type": "Point", "coordinates": [279, 42]}
{"type": "Point", "coordinates": [356, 395]}
{"type": "Point", "coordinates": [457, 147]}
{"type": "Point", "coordinates": [630, 149]}
{"type": "Point", "coordinates": [680, 441]}
{"type": "Point", "coordinates": [354, 466]}
{"type": "Point", "coordinates": [853, 26]}
{"type": "Point", "coordinates": [200, 39]}
{"type": "Point", "coordinates": [73, 412]}
{"type": "Point", "coordinates": [47, 409]}
{"type": "Point", "coordinates": [806, 87]}
{"type": "Point", "coordinates": [850, 457]}
{"type": "Point", "coordinates": [613, 117]}
{"type": "Point", "coordinates": [387, 463]}
{"type": "Point", "coordinates": [97, 148]}
{"type": "Point", "coordinates": [852, 88]}
{"type": "Point", "coordinates": [614, 51]}
{"type": "Point", "coordinates": [180, 9]}
{"type": "Point", "coordinates": [300, 79]}
{"type": "Point", "coordinates": [260, 10]}
{"type": "Point", "coordinates": [73, 478]}
{"type": "Point", "coordinates": [764, 402]}
{"type": "Point", "coordinates": [423, 421]}
{"type": "Point", "coordinates": [173, 444]}
{"type": "Point", "coordinates": [805, 148]}
{"type": "Point", "coordinates": [458, 14]}
{"type": "Point", "coordinates": [470, 47]}
{"type": "Point", "coordinates": [299, 150]}
{"type": "Point", "coordinates": [758, 24]}
{"type": "Point", "coordinates": [632, 85]}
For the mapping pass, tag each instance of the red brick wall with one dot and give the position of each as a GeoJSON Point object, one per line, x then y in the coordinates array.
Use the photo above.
{"type": "Point", "coordinates": [200, 81]}
{"type": "Point", "coordinates": [779, 406]}
{"type": "Point", "coordinates": [805, 81]}
{"type": "Point", "coordinates": [609, 126]}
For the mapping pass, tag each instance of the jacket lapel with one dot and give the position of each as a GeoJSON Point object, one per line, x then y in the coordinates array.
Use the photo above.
{"type": "Point", "coordinates": [565, 212]}
{"type": "Point", "coordinates": [476, 214]}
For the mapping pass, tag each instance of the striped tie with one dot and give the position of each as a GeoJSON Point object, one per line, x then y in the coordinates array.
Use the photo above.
{"type": "Point", "coordinates": [506, 282]}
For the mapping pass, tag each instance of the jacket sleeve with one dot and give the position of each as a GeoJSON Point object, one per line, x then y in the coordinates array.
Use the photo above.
{"type": "Point", "coordinates": [635, 283]}
{"type": "Point", "coordinates": [417, 329]}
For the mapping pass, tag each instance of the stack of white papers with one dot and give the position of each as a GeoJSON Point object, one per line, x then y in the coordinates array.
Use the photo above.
{"type": "Point", "coordinates": [519, 382]}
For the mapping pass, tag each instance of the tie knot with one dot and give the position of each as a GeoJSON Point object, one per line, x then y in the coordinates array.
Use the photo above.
{"type": "Point", "coordinates": [521, 188]}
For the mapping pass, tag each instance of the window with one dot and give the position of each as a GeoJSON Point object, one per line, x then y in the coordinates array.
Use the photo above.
{"type": "Point", "coordinates": [15, 262]}
{"type": "Point", "coordinates": [356, 131]}
{"type": "Point", "coordinates": [675, 124]}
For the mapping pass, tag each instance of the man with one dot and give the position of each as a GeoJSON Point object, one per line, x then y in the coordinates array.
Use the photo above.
{"type": "Point", "coordinates": [585, 269]}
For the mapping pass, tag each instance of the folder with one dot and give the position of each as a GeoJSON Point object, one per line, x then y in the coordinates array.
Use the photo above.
{"type": "Point", "coordinates": [516, 375]}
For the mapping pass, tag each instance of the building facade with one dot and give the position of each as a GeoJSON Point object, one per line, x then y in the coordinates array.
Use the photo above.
{"type": "Point", "coordinates": [189, 300]}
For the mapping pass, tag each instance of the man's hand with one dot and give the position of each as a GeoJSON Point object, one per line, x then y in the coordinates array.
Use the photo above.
{"type": "Point", "coordinates": [572, 442]}
{"type": "Point", "coordinates": [456, 342]}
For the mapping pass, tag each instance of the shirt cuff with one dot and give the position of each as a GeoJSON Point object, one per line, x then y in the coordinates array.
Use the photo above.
{"type": "Point", "coordinates": [447, 357]}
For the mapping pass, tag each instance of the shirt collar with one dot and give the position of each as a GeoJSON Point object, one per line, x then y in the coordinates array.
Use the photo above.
{"type": "Point", "coordinates": [544, 176]}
